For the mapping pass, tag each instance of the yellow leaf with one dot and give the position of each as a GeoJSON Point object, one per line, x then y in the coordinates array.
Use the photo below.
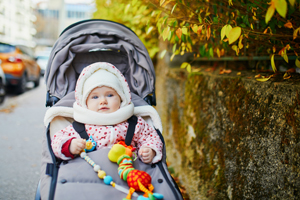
{"type": "Point", "coordinates": [240, 42]}
{"type": "Point", "coordinates": [163, 53]}
{"type": "Point", "coordinates": [295, 33]}
{"type": "Point", "coordinates": [273, 63]}
{"type": "Point", "coordinates": [161, 2]}
{"type": "Point", "coordinates": [166, 3]}
{"type": "Point", "coordinates": [179, 33]}
{"type": "Point", "coordinates": [269, 14]}
{"type": "Point", "coordinates": [230, 3]}
{"type": "Point", "coordinates": [172, 57]}
{"type": "Point", "coordinates": [223, 30]}
{"type": "Point", "coordinates": [236, 49]}
{"type": "Point", "coordinates": [184, 65]}
{"type": "Point", "coordinates": [274, 49]}
{"type": "Point", "coordinates": [286, 58]}
{"type": "Point", "coordinates": [195, 28]}
{"type": "Point", "coordinates": [292, 2]}
{"type": "Point", "coordinates": [166, 33]}
{"type": "Point", "coordinates": [189, 68]}
{"type": "Point", "coordinates": [173, 8]}
{"type": "Point", "coordinates": [281, 7]}
{"type": "Point", "coordinates": [263, 79]}
{"type": "Point", "coordinates": [185, 30]}
{"type": "Point", "coordinates": [218, 52]}
{"type": "Point", "coordinates": [149, 30]}
{"type": "Point", "coordinates": [234, 34]}
{"type": "Point", "coordinates": [251, 26]}
{"type": "Point", "coordinates": [227, 30]}
{"type": "Point", "coordinates": [127, 8]}
{"type": "Point", "coordinates": [297, 63]}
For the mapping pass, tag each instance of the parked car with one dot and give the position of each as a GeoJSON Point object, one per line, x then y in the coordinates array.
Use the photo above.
{"type": "Point", "coordinates": [19, 66]}
{"type": "Point", "coordinates": [2, 85]}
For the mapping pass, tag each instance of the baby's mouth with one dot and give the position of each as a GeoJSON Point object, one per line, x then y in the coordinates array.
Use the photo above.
{"type": "Point", "coordinates": [103, 108]}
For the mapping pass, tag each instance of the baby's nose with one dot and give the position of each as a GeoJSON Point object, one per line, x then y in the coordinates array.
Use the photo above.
{"type": "Point", "coordinates": [103, 100]}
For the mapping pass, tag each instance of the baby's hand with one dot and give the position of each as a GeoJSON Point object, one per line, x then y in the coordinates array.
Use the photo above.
{"type": "Point", "coordinates": [76, 146]}
{"type": "Point", "coordinates": [147, 154]}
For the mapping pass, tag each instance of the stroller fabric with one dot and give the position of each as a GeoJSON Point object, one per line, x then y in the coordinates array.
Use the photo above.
{"type": "Point", "coordinates": [78, 46]}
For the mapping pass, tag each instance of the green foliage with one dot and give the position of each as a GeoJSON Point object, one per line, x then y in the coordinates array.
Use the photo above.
{"type": "Point", "coordinates": [134, 14]}
{"type": "Point", "coordinates": [212, 28]}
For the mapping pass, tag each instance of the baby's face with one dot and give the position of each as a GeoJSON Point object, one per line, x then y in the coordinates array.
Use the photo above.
{"type": "Point", "coordinates": [103, 100]}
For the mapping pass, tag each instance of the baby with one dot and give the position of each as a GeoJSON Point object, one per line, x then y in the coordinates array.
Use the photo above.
{"type": "Point", "coordinates": [103, 104]}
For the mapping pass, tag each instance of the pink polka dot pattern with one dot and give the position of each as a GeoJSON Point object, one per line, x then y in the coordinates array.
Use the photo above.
{"type": "Point", "coordinates": [144, 135]}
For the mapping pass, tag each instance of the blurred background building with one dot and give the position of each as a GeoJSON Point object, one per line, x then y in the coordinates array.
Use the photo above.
{"type": "Point", "coordinates": [17, 22]}
{"type": "Point", "coordinates": [38, 23]}
{"type": "Point", "coordinates": [52, 17]}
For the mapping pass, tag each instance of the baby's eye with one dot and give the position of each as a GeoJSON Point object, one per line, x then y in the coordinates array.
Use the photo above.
{"type": "Point", "coordinates": [110, 95]}
{"type": "Point", "coordinates": [95, 97]}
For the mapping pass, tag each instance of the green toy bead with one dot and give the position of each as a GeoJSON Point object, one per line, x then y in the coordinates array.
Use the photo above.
{"type": "Point", "coordinates": [151, 197]}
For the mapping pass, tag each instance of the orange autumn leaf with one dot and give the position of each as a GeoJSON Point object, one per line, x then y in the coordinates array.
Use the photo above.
{"type": "Point", "coordinates": [199, 31]}
{"type": "Point", "coordinates": [179, 33]}
{"type": "Point", "coordinates": [208, 32]}
{"type": "Point", "coordinates": [288, 25]}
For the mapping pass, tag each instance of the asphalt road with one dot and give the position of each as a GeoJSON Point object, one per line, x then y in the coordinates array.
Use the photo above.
{"type": "Point", "coordinates": [21, 131]}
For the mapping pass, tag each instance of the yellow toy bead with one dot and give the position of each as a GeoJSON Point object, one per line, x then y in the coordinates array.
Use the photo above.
{"type": "Point", "coordinates": [101, 174]}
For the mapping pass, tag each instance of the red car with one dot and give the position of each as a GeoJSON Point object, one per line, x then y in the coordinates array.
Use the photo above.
{"type": "Point", "coordinates": [19, 66]}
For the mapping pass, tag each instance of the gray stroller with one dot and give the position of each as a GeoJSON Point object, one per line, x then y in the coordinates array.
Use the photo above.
{"type": "Point", "coordinates": [78, 46]}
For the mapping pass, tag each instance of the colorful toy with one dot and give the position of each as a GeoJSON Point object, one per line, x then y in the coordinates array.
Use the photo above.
{"type": "Point", "coordinates": [90, 144]}
{"type": "Point", "coordinates": [137, 180]}
{"type": "Point", "coordinates": [102, 174]}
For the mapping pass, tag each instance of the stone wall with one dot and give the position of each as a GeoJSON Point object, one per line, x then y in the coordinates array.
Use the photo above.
{"type": "Point", "coordinates": [229, 136]}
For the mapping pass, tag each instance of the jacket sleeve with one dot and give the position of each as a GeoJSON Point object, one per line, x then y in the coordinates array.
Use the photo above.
{"type": "Point", "coordinates": [146, 136]}
{"type": "Point", "coordinates": [60, 138]}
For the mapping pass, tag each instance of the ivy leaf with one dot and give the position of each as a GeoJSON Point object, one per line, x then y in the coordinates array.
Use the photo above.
{"type": "Point", "coordinates": [234, 34]}
{"type": "Point", "coordinates": [297, 63]}
{"type": "Point", "coordinates": [281, 7]}
{"type": "Point", "coordinates": [273, 63]}
{"type": "Point", "coordinates": [270, 13]}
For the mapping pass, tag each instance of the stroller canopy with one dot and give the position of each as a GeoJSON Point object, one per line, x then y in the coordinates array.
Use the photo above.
{"type": "Point", "coordinates": [90, 41]}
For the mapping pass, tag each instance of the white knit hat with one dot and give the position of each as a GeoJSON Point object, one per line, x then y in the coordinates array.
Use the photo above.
{"type": "Point", "coordinates": [101, 74]}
